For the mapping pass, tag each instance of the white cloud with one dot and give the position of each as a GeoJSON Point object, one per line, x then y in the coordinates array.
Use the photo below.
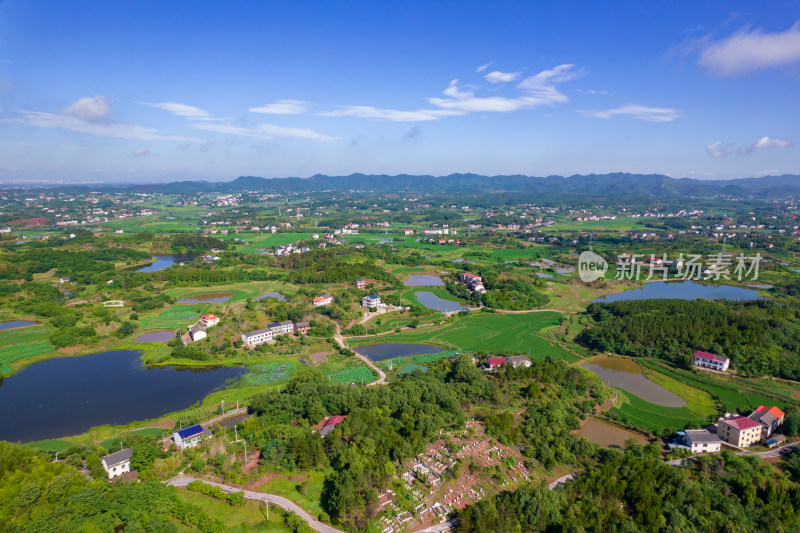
{"type": "Point", "coordinates": [40, 119]}
{"type": "Point", "coordinates": [746, 51]}
{"type": "Point", "coordinates": [501, 77]}
{"type": "Point", "coordinates": [536, 90]}
{"type": "Point", "coordinates": [265, 131]}
{"type": "Point", "coordinates": [282, 107]}
{"type": "Point", "coordinates": [721, 149]}
{"type": "Point", "coordinates": [141, 152]}
{"type": "Point", "coordinates": [182, 110]}
{"type": "Point", "coordinates": [483, 67]}
{"type": "Point", "coordinates": [365, 111]}
{"type": "Point", "coordinates": [94, 109]}
{"type": "Point", "coordinates": [639, 112]}
{"type": "Point", "coordinates": [593, 91]}
{"type": "Point", "coordinates": [6, 61]}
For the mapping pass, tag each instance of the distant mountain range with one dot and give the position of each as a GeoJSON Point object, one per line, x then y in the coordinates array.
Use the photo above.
{"type": "Point", "coordinates": [615, 184]}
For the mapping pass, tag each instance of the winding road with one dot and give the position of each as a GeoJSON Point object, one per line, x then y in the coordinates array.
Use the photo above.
{"type": "Point", "coordinates": [280, 501]}
{"type": "Point", "coordinates": [381, 374]}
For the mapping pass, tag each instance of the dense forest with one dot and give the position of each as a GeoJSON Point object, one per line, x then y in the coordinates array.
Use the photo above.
{"type": "Point", "coordinates": [760, 337]}
{"type": "Point", "coordinates": [636, 491]}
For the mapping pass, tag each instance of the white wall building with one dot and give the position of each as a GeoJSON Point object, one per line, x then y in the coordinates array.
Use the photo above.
{"type": "Point", "coordinates": [117, 463]}
{"type": "Point", "coordinates": [259, 336]}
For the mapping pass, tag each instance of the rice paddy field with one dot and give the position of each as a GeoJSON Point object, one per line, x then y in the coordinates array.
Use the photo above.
{"type": "Point", "coordinates": [490, 332]}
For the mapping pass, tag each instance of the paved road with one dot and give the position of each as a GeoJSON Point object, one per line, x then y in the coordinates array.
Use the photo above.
{"type": "Point", "coordinates": [280, 501]}
{"type": "Point", "coordinates": [444, 526]}
{"type": "Point", "coordinates": [561, 481]}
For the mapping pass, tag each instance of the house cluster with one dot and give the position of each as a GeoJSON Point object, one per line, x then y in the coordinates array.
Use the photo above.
{"type": "Point", "coordinates": [198, 330]}
{"type": "Point", "coordinates": [287, 249]}
{"type": "Point", "coordinates": [274, 329]}
{"type": "Point", "coordinates": [473, 282]}
{"type": "Point", "coordinates": [493, 363]}
{"type": "Point", "coordinates": [737, 430]}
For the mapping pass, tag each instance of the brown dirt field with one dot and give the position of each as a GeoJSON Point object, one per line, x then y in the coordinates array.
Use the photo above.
{"type": "Point", "coordinates": [319, 357]}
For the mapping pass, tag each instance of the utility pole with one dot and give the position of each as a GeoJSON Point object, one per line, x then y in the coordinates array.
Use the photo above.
{"type": "Point", "coordinates": [223, 407]}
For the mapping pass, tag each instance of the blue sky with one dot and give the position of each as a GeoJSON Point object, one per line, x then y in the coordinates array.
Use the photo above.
{"type": "Point", "coordinates": [156, 91]}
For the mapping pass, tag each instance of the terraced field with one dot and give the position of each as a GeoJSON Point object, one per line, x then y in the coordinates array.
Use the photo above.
{"type": "Point", "coordinates": [16, 344]}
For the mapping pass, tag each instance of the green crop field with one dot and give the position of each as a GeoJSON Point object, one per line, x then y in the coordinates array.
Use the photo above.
{"type": "Point", "coordinates": [24, 335]}
{"type": "Point", "coordinates": [639, 413]}
{"type": "Point", "coordinates": [491, 332]}
{"type": "Point", "coordinates": [14, 352]}
{"type": "Point", "coordinates": [261, 242]}
{"type": "Point", "coordinates": [361, 374]}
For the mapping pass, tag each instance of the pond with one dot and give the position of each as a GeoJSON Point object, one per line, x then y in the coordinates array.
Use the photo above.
{"type": "Point", "coordinates": [627, 374]}
{"type": "Point", "coordinates": [565, 270]}
{"type": "Point", "coordinates": [16, 324]}
{"type": "Point", "coordinates": [462, 260]}
{"type": "Point", "coordinates": [607, 435]}
{"type": "Point", "coordinates": [67, 396]}
{"type": "Point", "coordinates": [273, 294]}
{"type": "Point", "coordinates": [410, 368]}
{"type": "Point", "coordinates": [164, 261]}
{"type": "Point", "coordinates": [381, 352]}
{"type": "Point", "coordinates": [431, 301]}
{"type": "Point", "coordinates": [155, 336]}
{"type": "Point", "coordinates": [682, 290]}
{"type": "Point", "coordinates": [208, 298]}
{"type": "Point", "coordinates": [543, 274]}
{"type": "Point", "coordinates": [417, 280]}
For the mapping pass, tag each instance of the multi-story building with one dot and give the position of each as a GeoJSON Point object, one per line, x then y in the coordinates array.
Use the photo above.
{"type": "Point", "coordinates": [711, 361]}
{"type": "Point", "coordinates": [325, 299]}
{"type": "Point", "coordinates": [259, 336]}
{"type": "Point", "coordinates": [739, 431]}
{"type": "Point", "coordinates": [371, 302]}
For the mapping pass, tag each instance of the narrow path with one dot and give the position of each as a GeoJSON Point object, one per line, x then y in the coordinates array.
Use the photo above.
{"type": "Point", "coordinates": [280, 501]}
{"type": "Point", "coordinates": [381, 374]}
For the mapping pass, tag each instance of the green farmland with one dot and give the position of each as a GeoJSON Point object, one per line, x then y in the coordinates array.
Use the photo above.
{"type": "Point", "coordinates": [491, 332]}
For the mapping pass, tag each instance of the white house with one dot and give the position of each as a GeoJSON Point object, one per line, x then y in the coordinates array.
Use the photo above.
{"type": "Point", "coordinates": [117, 463]}
{"type": "Point", "coordinates": [371, 302]}
{"type": "Point", "coordinates": [712, 361]}
{"type": "Point", "coordinates": [209, 320]}
{"type": "Point", "coordinates": [408, 232]}
{"type": "Point", "coordinates": [325, 299]}
{"type": "Point", "coordinates": [191, 436]}
{"type": "Point", "coordinates": [700, 440]}
{"type": "Point", "coordinates": [197, 332]}
{"type": "Point", "coordinates": [520, 360]}
{"type": "Point", "coordinates": [259, 336]}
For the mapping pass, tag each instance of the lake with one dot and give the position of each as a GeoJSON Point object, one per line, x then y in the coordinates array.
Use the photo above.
{"type": "Point", "coordinates": [410, 368]}
{"type": "Point", "coordinates": [682, 290]}
{"type": "Point", "coordinates": [431, 301]}
{"type": "Point", "coordinates": [164, 261]}
{"type": "Point", "coordinates": [627, 374]}
{"type": "Point", "coordinates": [273, 294]}
{"type": "Point", "coordinates": [607, 435]}
{"type": "Point", "coordinates": [417, 280]}
{"type": "Point", "coordinates": [543, 274]}
{"type": "Point", "coordinates": [208, 298]}
{"type": "Point", "coordinates": [155, 336]}
{"type": "Point", "coordinates": [381, 352]}
{"type": "Point", "coordinates": [69, 395]}
{"type": "Point", "coordinates": [15, 324]}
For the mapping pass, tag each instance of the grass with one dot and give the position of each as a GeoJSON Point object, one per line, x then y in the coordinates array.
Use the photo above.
{"type": "Point", "coordinates": [305, 490]}
{"type": "Point", "coordinates": [251, 517]}
{"type": "Point", "coordinates": [638, 413]}
{"type": "Point", "coordinates": [490, 332]}
{"type": "Point", "coordinates": [55, 445]}
{"type": "Point", "coordinates": [261, 374]}
{"type": "Point", "coordinates": [24, 335]}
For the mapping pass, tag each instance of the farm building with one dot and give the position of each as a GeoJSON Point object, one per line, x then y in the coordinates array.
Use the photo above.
{"type": "Point", "coordinates": [330, 425]}
{"type": "Point", "coordinates": [360, 283]}
{"type": "Point", "coordinates": [494, 363]}
{"type": "Point", "coordinates": [117, 463]}
{"type": "Point", "coordinates": [197, 332]}
{"type": "Point", "coordinates": [712, 361]}
{"type": "Point", "coordinates": [302, 327]}
{"type": "Point", "coordinates": [700, 440]}
{"type": "Point", "coordinates": [209, 320]}
{"type": "Point", "coordinates": [520, 360]}
{"type": "Point", "coordinates": [770, 419]}
{"type": "Point", "coordinates": [281, 328]}
{"type": "Point", "coordinates": [191, 436]}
